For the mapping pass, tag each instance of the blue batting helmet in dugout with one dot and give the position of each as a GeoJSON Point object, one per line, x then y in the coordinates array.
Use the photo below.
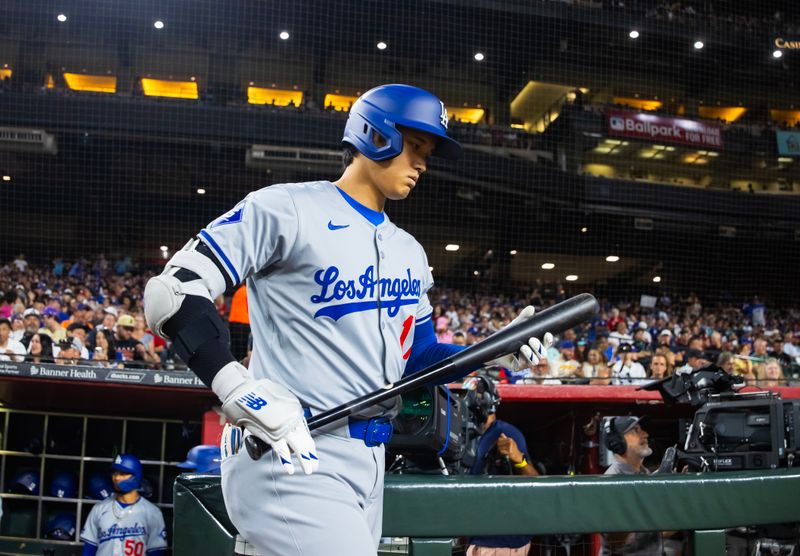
{"type": "Point", "coordinates": [99, 486]}
{"type": "Point", "coordinates": [128, 463]}
{"type": "Point", "coordinates": [61, 527]}
{"type": "Point", "coordinates": [382, 109]}
{"type": "Point", "coordinates": [204, 458]}
{"type": "Point", "coordinates": [64, 485]}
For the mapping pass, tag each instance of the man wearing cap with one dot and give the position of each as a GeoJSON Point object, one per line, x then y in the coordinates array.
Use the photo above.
{"type": "Point", "coordinates": [695, 359]}
{"type": "Point", "coordinates": [629, 443]}
{"type": "Point", "coordinates": [51, 325]}
{"type": "Point", "coordinates": [627, 370]}
{"type": "Point", "coordinates": [566, 364]}
{"type": "Point", "coordinates": [128, 348]}
{"type": "Point", "coordinates": [10, 350]}
{"type": "Point", "coordinates": [32, 325]}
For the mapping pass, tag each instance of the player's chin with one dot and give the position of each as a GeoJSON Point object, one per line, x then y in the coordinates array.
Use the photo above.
{"type": "Point", "coordinates": [400, 192]}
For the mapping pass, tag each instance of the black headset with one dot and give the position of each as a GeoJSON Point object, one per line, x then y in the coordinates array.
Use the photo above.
{"type": "Point", "coordinates": [484, 398]}
{"type": "Point", "coordinates": [614, 440]}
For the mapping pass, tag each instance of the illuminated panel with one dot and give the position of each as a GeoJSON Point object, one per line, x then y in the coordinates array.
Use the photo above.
{"type": "Point", "coordinates": [638, 103]}
{"type": "Point", "coordinates": [278, 97]}
{"type": "Point", "coordinates": [339, 102]}
{"type": "Point", "coordinates": [5, 73]}
{"type": "Point", "coordinates": [725, 113]}
{"type": "Point", "coordinates": [93, 83]}
{"type": "Point", "coordinates": [466, 115]}
{"type": "Point", "coordinates": [171, 89]}
{"type": "Point", "coordinates": [791, 117]}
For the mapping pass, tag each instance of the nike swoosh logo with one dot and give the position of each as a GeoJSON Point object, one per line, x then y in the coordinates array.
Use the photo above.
{"type": "Point", "coordinates": [332, 226]}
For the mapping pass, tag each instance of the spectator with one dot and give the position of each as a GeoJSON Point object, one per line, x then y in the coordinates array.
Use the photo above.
{"type": "Point", "coordinates": [17, 328]}
{"type": "Point", "coordinates": [32, 324]}
{"type": "Point", "coordinates": [78, 334]}
{"type": "Point", "coordinates": [443, 332]}
{"type": "Point", "coordinates": [742, 364]}
{"type": "Point", "coordinates": [40, 349]}
{"type": "Point", "coordinates": [128, 348]}
{"type": "Point", "coordinates": [459, 338]}
{"type": "Point", "coordinates": [725, 362]}
{"type": "Point", "coordinates": [760, 354]}
{"type": "Point", "coordinates": [566, 364]}
{"type": "Point", "coordinates": [595, 363]}
{"type": "Point", "coordinates": [627, 370]}
{"type": "Point", "coordinates": [104, 351]}
{"type": "Point", "coordinates": [620, 334]}
{"type": "Point", "coordinates": [695, 359]}
{"type": "Point", "coordinates": [51, 325]}
{"type": "Point", "coordinates": [660, 367]}
{"type": "Point", "coordinates": [10, 350]}
{"type": "Point", "coordinates": [770, 374]}
{"type": "Point", "coordinates": [141, 333]}
{"type": "Point", "coordinates": [67, 352]}
{"type": "Point", "coordinates": [791, 345]}
{"type": "Point", "coordinates": [541, 374]}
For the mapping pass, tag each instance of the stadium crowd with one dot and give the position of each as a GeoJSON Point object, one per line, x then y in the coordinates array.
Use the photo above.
{"type": "Point", "coordinates": [90, 313]}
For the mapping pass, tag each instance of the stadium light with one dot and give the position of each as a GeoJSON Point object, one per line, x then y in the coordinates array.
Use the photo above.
{"type": "Point", "coordinates": [479, 57]}
{"type": "Point", "coordinates": [612, 259]}
{"type": "Point", "coordinates": [382, 45]}
{"type": "Point", "coordinates": [584, 230]}
{"type": "Point", "coordinates": [451, 247]}
{"type": "Point", "coordinates": [284, 35]}
{"type": "Point", "coordinates": [777, 53]}
{"type": "Point", "coordinates": [572, 277]}
{"type": "Point", "coordinates": [61, 17]}
{"type": "Point", "coordinates": [201, 191]}
{"type": "Point", "coordinates": [548, 266]}
{"type": "Point", "coordinates": [698, 45]}
{"type": "Point", "coordinates": [634, 34]}
{"type": "Point", "coordinates": [6, 178]}
{"type": "Point", "coordinates": [656, 279]}
{"type": "Point", "coordinates": [476, 273]}
{"type": "Point", "coordinates": [158, 24]}
{"type": "Point", "coordinates": [512, 252]}
{"type": "Point", "coordinates": [164, 248]}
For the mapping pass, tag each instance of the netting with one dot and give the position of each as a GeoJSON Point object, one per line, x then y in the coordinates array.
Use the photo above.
{"type": "Point", "coordinates": [645, 151]}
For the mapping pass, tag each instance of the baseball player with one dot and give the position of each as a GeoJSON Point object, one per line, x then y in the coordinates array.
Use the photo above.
{"type": "Point", "coordinates": [338, 304]}
{"type": "Point", "coordinates": [125, 524]}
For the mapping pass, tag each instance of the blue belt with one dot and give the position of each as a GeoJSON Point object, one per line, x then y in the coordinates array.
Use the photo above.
{"type": "Point", "coordinates": [373, 432]}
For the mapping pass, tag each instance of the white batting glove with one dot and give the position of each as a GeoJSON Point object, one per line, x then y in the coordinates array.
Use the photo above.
{"type": "Point", "coordinates": [230, 441]}
{"type": "Point", "coordinates": [269, 411]}
{"type": "Point", "coordinates": [530, 353]}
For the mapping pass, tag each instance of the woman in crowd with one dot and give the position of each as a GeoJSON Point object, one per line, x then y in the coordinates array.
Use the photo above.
{"type": "Point", "coordinates": [595, 363]}
{"type": "Point", "coordinates": [40, 349]}
{"type": "Point", "coordinates": [103, 352]}
{"type": "Point", "coordinates": [141, 333]}
{"type": "Point", "coordinates": [770, 374]}
{"type": "Point", "coordinates": [659, 367]}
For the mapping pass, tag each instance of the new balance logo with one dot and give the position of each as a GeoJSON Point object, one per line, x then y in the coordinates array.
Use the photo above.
{"type": "Point", "coordinates": [332, 226]}
{"type": "Point", "coordinates": [252, 401]}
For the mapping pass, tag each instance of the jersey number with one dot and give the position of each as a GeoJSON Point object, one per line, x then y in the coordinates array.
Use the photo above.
{"type": "Point", "coordinates": [134, 547]}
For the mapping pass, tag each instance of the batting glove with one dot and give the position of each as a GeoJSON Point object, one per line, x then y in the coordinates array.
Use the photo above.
{"type": "Point", "coordinates": [269, 411]}
{"type": "Point", "coordinates": [530, 353]}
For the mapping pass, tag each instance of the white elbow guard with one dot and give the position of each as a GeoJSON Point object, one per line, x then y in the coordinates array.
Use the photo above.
{"type": "Point", "coordinates": [164, 294]}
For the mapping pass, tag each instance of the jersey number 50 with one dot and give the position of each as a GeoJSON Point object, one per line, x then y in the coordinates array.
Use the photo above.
{"type": "Point", "coordinates": [134, 547]}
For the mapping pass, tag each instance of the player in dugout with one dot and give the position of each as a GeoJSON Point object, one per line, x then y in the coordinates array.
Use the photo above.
{"type": "Point", "coordinates": [338, 309]}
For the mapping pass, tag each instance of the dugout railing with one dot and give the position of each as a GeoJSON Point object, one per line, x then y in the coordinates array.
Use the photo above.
{"type": "Point", "coordinates": [432, 510]}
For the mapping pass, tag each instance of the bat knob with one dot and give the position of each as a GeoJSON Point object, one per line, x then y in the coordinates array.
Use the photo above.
{"type": "Point", "coordinates": [255, 447]}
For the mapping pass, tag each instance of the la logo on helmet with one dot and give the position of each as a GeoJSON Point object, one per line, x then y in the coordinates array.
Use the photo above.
{"type": "Point", "coordinates": [443, 117]}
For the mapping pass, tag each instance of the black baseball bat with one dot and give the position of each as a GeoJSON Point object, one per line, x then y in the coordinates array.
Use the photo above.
{"type": "Point", "coordinates": [555, 319]}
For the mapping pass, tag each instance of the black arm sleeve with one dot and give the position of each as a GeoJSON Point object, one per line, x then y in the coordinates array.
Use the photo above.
{"type": "Point", "coordinates": [200, 337]}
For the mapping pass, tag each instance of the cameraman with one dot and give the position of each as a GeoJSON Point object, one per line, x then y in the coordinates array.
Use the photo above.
{"type": "Point", "coordinates": [629, 443]}
{"type": "Point", "coordinates": [501, 450]}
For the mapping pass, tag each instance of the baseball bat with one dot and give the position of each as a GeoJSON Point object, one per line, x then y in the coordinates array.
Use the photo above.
{"type": "Point", "coordinates": [555, 319]}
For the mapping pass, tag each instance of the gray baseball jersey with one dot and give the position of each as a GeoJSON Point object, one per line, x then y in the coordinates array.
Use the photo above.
{"type": "Point", "coordinates": [132, 530]}
{"type": "Point", "coordinates": [333, 299]}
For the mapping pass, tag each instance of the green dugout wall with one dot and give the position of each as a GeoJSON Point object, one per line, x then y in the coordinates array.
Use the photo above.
{"type": "Point", "coordinates": [431, 508]}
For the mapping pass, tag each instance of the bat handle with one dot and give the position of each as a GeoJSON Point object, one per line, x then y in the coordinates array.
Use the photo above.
{"type": "Point", "coordinates": [256, 447]}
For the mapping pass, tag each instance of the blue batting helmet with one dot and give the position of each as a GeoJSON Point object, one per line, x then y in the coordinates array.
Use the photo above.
{"type": "Point", "coordinates": [61, 527]}
{"type": "Point", "coordinates": [26, 482]}
{"type": "Point", "coordinates": [127, 463]}
{"type": "Point", "coordinates": [99, 486]}
{"type": "Point", "coordinates": [383, 108]}
{"type": "Point", "coordinates": [204, 458]}
{"type": "Point", "coordinates": [64, 485]}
